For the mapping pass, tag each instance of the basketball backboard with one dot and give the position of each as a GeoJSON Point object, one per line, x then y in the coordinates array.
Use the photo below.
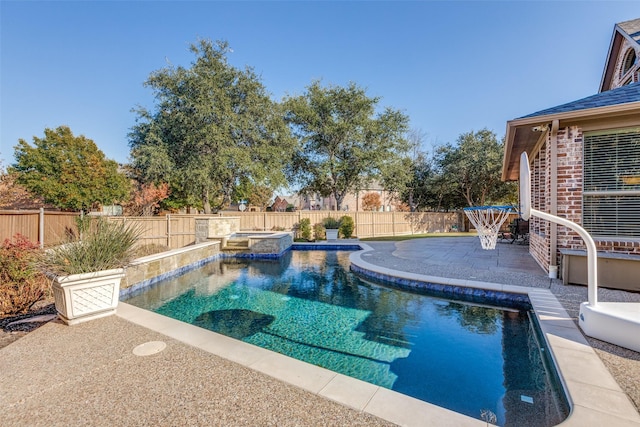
{"type": "Point", "coordinates": [525, 186]}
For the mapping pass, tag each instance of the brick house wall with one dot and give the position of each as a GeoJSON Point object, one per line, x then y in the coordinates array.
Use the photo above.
{"type": "Point", "coordinates": [570, 185]}
{"type": "Point", "coordinates": [619, 77]}
{"type": "Point", "coordinates": [539, 239]}
{"type": "Point", "coordinates": [569, 205]}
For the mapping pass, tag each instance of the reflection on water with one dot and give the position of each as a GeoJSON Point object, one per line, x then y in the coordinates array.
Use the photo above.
{"type": "Point", "coordinates": [308, 305]}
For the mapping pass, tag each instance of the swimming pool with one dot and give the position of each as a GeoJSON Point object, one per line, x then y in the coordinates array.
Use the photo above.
{"type": "Point", "coordinates": [462, 356]}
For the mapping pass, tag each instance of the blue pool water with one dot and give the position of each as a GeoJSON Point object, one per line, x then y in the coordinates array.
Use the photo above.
{"type": "Point", "coordinates": [464, 356]}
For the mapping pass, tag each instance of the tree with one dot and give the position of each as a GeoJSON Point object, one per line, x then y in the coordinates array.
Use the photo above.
{"type": "Point", "coordinates": [146, 198]}
{"type": "Point", "coordinates": [474, 165]}
{"type": "Point", "coordinates": [400, 179]}
{"type": "Point", "coordinates": [254, 194]}
{"type": "Point", "coordinates": [16, 196]}
{"type": "Point", "coordinates": [67, 171]}
{"type": "Point", "coordinates": [371, 201]}
{"type": "Point", "coordinates": [342, 145]}
{"type": "Point", "coordinates": [212, 125]}
{"type": "Point", "coordinates": [420, 191]}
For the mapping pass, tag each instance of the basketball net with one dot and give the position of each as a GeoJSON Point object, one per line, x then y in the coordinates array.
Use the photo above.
{"type": "Point", "coordinates": [487, 220]}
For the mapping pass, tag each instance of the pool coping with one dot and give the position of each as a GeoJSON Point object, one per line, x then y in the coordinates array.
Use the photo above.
{"type": "Point", "coordinates": [593, 395]}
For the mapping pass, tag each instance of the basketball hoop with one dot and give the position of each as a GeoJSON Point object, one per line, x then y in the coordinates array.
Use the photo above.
{"type": "Point", "coordinates": [487, 220]}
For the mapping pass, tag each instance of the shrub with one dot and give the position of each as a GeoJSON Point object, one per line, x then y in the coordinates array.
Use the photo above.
{"type": "Point", "coordinates": [330, 223]}
{"type": "Point", "coordinates": [346, 226]}
{"type": "Point", "coordinates": [305, 229]}
{"type": "Point", "coordinates": [318, 231]}
{"type": "Point", "coordinates": [105, 245]}
{"type": "Point", "coordinates": [22, 284]}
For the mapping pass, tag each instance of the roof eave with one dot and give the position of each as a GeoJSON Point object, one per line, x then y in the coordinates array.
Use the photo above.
{"type": "Point", "coordinates": [604, 81]}
{"type": "Point", "coordinates": [614, 50]}
{"type": "Point", "coordinates": [583, 115]}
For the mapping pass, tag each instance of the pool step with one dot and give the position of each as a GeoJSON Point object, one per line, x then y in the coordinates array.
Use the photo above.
{"type": "Point", "coordinates": [236, 245]}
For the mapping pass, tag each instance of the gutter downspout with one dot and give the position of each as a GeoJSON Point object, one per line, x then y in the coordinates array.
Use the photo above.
{"type": "Point", "coordinates": [553, 165]}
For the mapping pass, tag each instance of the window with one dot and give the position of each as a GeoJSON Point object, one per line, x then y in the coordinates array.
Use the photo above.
{"type": "Point", "coordinates": [628, 62]}
{"type": "Point", "coordinates": [611, 183]}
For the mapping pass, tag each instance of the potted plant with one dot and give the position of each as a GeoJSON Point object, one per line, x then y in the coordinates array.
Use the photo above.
{"type": "Point", "coordinates": [331, 225]}
{"type": "Point", "coordinates": [86, 273]}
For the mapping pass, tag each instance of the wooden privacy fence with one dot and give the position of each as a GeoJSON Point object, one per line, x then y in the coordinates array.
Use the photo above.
{"type": "Point", "coordinates": [367, 224]}
{"type": "Point", "coordinates": [173, 231]}
{"type": "Point", "coordinates": [52, 228]}
{"type": "Point", "coordinates": [176, 231]}
{"type": "Point", "coordinates": [48, 228]}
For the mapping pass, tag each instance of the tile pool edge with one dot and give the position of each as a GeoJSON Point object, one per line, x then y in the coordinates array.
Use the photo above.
{"type": "Point", "coordinates": [593, 395]}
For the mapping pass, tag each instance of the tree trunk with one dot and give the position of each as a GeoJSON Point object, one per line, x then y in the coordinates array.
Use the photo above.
{"type": "Point", "coordinates": [339, 200]}
{"type": "Point", "coordinates": [206, 204]}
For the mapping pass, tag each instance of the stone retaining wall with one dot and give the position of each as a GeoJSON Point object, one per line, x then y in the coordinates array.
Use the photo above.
{"type": "Point", "coordinates": [153, 266]}
{"type": "Point", "coordinates": [216, 227]}
{"type": "Point", "coordinates": [275, 243]}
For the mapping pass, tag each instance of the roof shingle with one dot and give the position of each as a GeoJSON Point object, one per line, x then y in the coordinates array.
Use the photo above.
{"type": "Point", "coordinates": [621, 95]}
{"type": "Point", "coordinates": [632, 28]}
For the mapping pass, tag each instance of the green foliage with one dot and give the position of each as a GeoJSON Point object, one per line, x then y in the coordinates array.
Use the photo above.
{"type": "Point", "coordinates": [347, 226]}
{"type": "Point", "coordinates": [474, 167]}
{"type": "Point", "coordinates": [254, 194]}
{"type": "Point", "coordinates": [342, 145]}
{"type": "Point", "coordinates": [212, 125]}
{"type": "Point", "coordinates": [67, 171]}
{"type": "Point", "coordinates": [429, 189]}
{"type": "Point", "coordinates": [105, 245]}
{"type": "Point", "coordinates": [319, 231]}
{"type": "Point", "coordinates": [331, 223]}
{"type": "Point", "coordinates": [305, 229]}
{"type": "Point", "coordinates": [21, 283]}
{"type": "Point", "coordinates": [465, 174]}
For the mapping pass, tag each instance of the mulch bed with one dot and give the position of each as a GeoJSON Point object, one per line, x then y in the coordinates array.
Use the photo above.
{"type": "Point", "coordinates": [11, 331]}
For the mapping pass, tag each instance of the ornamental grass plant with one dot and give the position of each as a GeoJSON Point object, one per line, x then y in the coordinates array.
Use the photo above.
{"type": "Point", "coordinates": [104, 245]}
{"type": "Point", "coordinates": [331, 223]}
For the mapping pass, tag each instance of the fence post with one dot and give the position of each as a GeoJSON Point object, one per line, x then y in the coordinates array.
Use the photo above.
{"type": "Point", "coordinates": [355, 220]}
{"type": "Point", "coordinates": [373, 225]}
{"type": "Point", "coordinates": [393, 223]}
{"type": "Point", "coordinates": [169, 231]}
{"type": "Point", "coordinates": [41, 227]}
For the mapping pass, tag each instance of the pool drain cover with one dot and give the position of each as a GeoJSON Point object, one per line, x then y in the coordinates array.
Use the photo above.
{"type": "Point", "coordinates": [149, 348]}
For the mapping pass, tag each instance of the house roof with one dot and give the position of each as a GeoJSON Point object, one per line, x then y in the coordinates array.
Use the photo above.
{"type": "Point", "coordinates": [621, 95]}
{"type": "Point", "coordinates": [632, 28]}
{"type": "Point", "coordinates": [629, 30]}
{"type": "Point", "coordinates": [608, 109]}
{"type": "Point", "coordinates": [614, 108]}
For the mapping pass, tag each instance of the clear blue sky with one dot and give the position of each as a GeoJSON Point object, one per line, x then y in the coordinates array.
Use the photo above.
{"type": "Point", "coordinates": [451, 66]}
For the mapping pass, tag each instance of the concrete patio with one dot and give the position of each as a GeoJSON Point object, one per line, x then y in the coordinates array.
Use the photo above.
{"type": "Point", "coordinates": [88, 374]}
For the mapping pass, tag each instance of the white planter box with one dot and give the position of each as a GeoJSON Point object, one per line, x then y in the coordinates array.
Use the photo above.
{"type": "Point", "coordinates": [332, 234]}
{"type": "Point", "coordinates": [83, 297]}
